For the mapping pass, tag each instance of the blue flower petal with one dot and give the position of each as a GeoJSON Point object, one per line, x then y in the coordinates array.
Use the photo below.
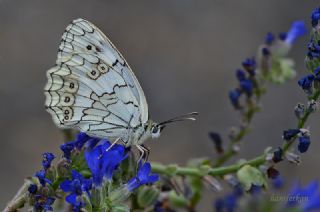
{"type": "Point", "coordinates": [297, 30]}
{"type": "Point", "coordinates": [71, 198]}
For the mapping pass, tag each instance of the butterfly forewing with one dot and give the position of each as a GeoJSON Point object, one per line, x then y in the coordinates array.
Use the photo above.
{"type": "Point", "coordinates": [92, 87]}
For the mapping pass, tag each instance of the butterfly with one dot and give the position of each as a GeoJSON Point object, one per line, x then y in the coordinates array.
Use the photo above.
{"type": "Point", "coordinates": [93, 89]}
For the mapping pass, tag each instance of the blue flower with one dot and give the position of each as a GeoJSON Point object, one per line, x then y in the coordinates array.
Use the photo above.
{"type": "Point", "coordinates": [234, 96]}
{"type": "Point", "coordinates": [33, 188]}
{"type": "Point", "coordinates": [307, 198]}
{"type": "Point", "coordinates": [250, 65]}
{"type": "Point", "coordinates": [43, 203]}
{"type": "Point", "coordinates": [289, 134]}
{"type": "Point", "coordinates": [298, 29]}
{"type": "Point", "coordinates": [80, 141]}
{"type": "Point", "coordinates": [144, 176]}
{"type": "Point", "coordinates": [229, 203]}
{"type": "Point", "coordinates": [76, 186]}
{"type": "Point", "coordinates": [277, 182]}
{"type": "Point", "coordinates": [317, 71]}
{"type": "Point", "coordinates": [277, 155]}
{"type": "Point", "coordinates": [247, 86]}
{"type": "Point", "coordinates": [269, 38]}
{"type": "Point", "coordinates": [266, 51]}
{"type": "Point", "coordinates": [306, 82]}
{"type": "Point", "coordinates": [255, 189]}
{"type": "Point", "coordinates": [313, 50]}
{"type": "Point", "coordinates": [67, 149]}
{"type": "Point", "coordinates": [241, 75]}
{"type": "Point", "coordinates": [283, 36]}
{"type": "Point", "coordinates": [47, 159]}
{"type": "Point", "coordinates": [315, 17]}
{"type": "Point", "coordinates": [304, 143]}
{"type": "Point", "coordinates": [103, 163]}
{"type": "Point", "coordinates": [41, 175]}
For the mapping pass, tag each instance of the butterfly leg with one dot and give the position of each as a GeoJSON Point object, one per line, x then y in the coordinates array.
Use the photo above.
{"type": "Point", "coordinates": [114, 143]}
{"type": "Point", "coordinates": [140, 148]}
{"type": "Point", "coordinates": [146, 151]}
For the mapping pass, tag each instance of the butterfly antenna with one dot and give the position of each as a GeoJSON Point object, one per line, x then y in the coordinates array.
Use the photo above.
{"type": "Point", "coordinates": [188, 116]}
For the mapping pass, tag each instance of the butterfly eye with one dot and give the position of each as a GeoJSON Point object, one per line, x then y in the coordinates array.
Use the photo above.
{"type": "Point", "coordinates": [93, 74]}
{"type": "Point", "coordinates": [155, 129]}
{"type": "Point", "coordinates": [103, 68]}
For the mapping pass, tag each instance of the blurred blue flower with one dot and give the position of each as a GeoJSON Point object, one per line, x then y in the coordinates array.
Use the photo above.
{"type": "Point", "coordinates": [234, 96]}
{"type": "Point", "coordinates": [269, 38]}
{"type": "Point", "coordinates": [277, 182]}
{"type": "Point", "coordinates": [33, 188]}
{"type": "Point", "coordinates": [277, 155]}
{"type": "Point", "coordinates": [144, 176]}
{"type": "Point", "coordinates": [47, 159]}
{"type": "Point", "coordinates": [298, 29]}
{"type": "Point", "coordinates": [247, 86]}
{"type": "Point", "coordinates": [306, 198]}
{"type": "Point", "coordinates": [304, 143]}
{"type": "Point", "coordinates": [283, 36]}
{"type": "Point", "coordinates": [289, 134]}
{"type": "Point", "coordinates": [317, 71]}
{"type": "Point", "coordinates": [43, 203]}
{"type": "Point", "coordinates": [306, 83]}
{"type": "Point", "coordinates": [250, 66]}
{"type": "Point", "coordinates": [41, 175]}
{"type": "Point", "coordinates": [103, 163]}
{"type": "Point", "coordinates": [313, 50]}
{"type": "Point", "coordinates": [227, 203]}
{"type": "Point", "coordinates": [315, 17]}
{"type": "Point", "coordinates": [77, 185]}
{"type": "Point", "coordinates": [240, 74]}
{"type": "Point", "coordinates": [265, 51]}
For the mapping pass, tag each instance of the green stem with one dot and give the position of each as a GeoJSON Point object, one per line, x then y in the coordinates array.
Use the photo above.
{"type": "Point", "coordinates": [198, 172]}
{"type": "Point", "coordinates": [302, 121]}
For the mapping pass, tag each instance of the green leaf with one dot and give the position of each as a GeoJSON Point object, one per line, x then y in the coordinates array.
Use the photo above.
{"type": "Point", "coordinates": [249, 175]}
{"type": "Point", "coordinates": [178, 201]}
{"type": "Point", "coordinates": [147, 196]}
{"type": "Point", "coordinates": [282, 70]}
{"type": "Point", "coordinates": [120, 208]}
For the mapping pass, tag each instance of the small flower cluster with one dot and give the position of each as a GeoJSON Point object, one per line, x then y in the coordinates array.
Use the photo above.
{"type": "Point", "coordinates": [302, 134]}
{"type": "Point", "coordinates": [310, 81]}
{"type": "Point", "coordinates": [40, 195]}
{"type": "Point", "coordinates": [85, 174]}
{"type": "Point", "coordinates": [247, 82]}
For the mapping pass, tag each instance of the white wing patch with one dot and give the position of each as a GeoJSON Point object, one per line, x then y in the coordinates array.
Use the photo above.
{"type": "Point", "coordinates": [92, 87]}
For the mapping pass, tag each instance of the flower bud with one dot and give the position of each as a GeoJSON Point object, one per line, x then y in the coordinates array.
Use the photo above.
{"type": "Point", "coordinates": [299, 110]}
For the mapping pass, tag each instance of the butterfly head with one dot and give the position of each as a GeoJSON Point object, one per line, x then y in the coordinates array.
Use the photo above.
{"type": "Point", "coordinates": [156, 128]}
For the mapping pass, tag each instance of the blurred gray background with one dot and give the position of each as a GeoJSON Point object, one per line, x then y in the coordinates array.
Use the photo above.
{"type": "Point", "coordinates": [184, 53]}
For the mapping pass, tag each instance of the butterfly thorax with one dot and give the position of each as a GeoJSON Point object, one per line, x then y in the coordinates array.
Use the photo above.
{"type": "Point", "coordinates": [141, 133]}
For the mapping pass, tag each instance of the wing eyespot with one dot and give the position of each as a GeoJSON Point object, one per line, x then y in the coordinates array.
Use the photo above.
{"type": "Point", "coordinates": [93, 74]}
{"type": "Point", "coordinates": [67, 99]}
{"type": "Point", "coordinates": [103, 68]}
{"type": "Point", "coordinates": [71, 86]}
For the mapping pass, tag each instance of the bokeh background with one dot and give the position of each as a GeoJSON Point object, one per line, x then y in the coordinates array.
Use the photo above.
{"type": "Point", "coordinates": [184, 53]}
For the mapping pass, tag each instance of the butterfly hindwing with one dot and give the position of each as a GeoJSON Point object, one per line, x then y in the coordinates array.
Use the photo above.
{"type": "Point", "coordinates": [92, 87]}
